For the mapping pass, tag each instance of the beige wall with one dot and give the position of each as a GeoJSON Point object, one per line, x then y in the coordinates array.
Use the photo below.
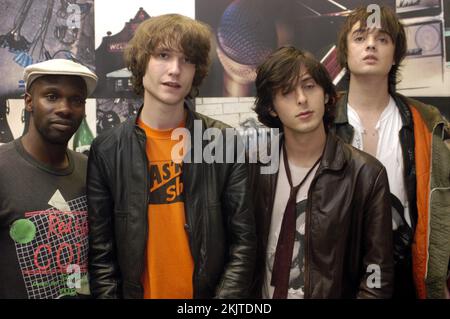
{"type": "Point", "coordinates": [230, 110]}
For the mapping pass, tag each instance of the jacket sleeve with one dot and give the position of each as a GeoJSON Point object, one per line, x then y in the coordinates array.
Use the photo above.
{"type": "Point", "coordinates": [377, 279]}
{"type": "Point", "coordinates": [103, 269]}
{"type": "Point", "coordinates": [238, 273]}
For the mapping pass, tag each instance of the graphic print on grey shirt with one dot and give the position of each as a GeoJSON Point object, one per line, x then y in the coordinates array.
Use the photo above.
{"type": "Point", "coordinates": [43, 226]}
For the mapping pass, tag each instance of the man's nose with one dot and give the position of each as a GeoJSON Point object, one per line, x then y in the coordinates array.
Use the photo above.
{"type": "Point", "coordinates": [370, 42]}
{"type": "Point", "coordinates": [300, 96]}
{"type": "Point", "coordinates": [174, 67]}
{"type": "Point", "coordinates": [63, 108]}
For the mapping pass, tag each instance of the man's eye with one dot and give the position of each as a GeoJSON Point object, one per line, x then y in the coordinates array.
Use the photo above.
{"type": "Point", "coordinates": [51, 97]}
{"type": "Point", "coordinates": [359, 39]}
{"type": "Point", "coordinates": [309, 86]}
{"type": "Point", "coordinates": [163, 55]}
{"type": "Point", "coordinates": [78, 100]}
{"type": "Point", "coordinates": [188, 61]}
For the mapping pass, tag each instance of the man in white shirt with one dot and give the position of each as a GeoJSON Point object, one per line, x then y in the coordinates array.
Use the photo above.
{"type": "Point", "coordinates": [405, 135]}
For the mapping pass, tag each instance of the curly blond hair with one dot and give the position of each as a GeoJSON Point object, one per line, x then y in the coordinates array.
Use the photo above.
{"type": "Point", "coordinates": [191, 37]}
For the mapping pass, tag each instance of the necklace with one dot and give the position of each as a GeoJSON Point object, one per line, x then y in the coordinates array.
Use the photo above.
{"type": "Point", "coordinates": [373, 133]}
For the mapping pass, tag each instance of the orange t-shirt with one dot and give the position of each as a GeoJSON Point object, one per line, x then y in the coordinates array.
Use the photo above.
{"type": "Point", "coordinates": [169, 264]}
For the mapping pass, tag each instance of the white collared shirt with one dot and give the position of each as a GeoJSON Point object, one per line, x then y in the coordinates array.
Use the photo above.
{"type": "Point", "coordinates": [389, 150]}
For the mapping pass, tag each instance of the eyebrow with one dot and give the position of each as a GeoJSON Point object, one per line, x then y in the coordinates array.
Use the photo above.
{"type": "Point", "coordinates": [169, 48]}
{"type": "Point", "coordinates": [364, 30]}
{"type": "Point", "coordinates": [306, 77]}
{"type": "Point", "coordinates": [360, 30]}
{"type": "Point", "coordinates": [53, 88]}
{"type": "Point", "coordinates": [162, 49]}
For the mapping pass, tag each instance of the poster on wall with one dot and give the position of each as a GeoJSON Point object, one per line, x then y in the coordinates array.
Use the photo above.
{"type": "Point", "coordinates": [424, 23]}
{"type": "Point", "coordinates": [34, 31]}
{"type": "Point", "coordinates": [425, 74]}
{"type": "Point", "coordinates": [112, 112]}
{"type": "Point", "coordinates": [246, 31]}
{"type": "Point", "coordinates": [115, 25]}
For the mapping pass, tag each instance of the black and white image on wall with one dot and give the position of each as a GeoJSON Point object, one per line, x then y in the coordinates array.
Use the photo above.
{"type": "Point", "coordinates": [112, 112]}
{"type": "Point", "coordinates": [115, 24]}
{"type": "Point", "coordinates": [34, 31]}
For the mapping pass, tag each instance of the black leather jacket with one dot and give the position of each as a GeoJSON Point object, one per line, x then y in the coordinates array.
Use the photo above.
{"type": "Point", "coordinates": [348, 225]}
{"type": "Point", "coordinates": [219, 216]}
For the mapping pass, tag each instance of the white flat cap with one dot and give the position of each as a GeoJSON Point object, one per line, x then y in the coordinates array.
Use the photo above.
{"type": "Point", "coordinates": [60, 67]}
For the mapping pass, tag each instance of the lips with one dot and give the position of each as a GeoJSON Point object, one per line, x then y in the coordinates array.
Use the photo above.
{"type": "Point", "coordinates": [370, 58]}
{"type": "Point", "coordinates": [171, 84]}
{"type": "Point", "coordinates": [305, 114]}
{"type": "Point", "coordinates": [62, 125]}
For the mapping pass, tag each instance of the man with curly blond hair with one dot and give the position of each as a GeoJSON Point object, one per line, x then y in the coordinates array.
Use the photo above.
{"type": "Point", "coordinates": [161, 225]}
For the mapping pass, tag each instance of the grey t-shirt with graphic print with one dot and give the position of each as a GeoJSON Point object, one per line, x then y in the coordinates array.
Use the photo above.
{"type": "Point", "coordinates": [43, 226]}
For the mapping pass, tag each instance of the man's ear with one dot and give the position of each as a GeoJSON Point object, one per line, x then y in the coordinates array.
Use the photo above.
{"type": "Point", "coordinates": [272, 112]}
{"type": "Point", "coordinates": [327, 98]}
{"type": "Point", "coordinates": [28, 102]}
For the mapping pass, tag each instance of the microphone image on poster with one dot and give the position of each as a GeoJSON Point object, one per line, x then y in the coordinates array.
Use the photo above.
{"type": "Point", "coordinates": [245, 38]}
{"type": "Point", "coordinates": [247, 31]}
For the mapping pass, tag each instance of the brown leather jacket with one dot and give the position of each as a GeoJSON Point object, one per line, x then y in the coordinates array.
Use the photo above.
{"type": "Point", "coordinates": [348, 225]}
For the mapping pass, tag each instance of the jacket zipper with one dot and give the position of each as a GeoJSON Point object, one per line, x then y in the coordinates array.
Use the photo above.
{"type": "Point", "coordinates": [189, 224]}
{"type": "Point", "coordinates": [147, 187]}
{"type": "Point", "coordinates": [189, 227]}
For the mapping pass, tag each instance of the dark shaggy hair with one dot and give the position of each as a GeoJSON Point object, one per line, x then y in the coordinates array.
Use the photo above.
{"type": "Point", "coordinates": [281, 71]}
{"type": "Point", "coordinates": [191, 37]}
{"type": "Point", "coordinates": [389, 24]}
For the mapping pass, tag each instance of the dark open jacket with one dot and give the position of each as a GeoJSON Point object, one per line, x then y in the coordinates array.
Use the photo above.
{"type": "Point", "coordinates": [425, 141]}
{"type": "Point", "coordinates": [348, 225]}
{"type": "Point", "coordinates": [219, 217]}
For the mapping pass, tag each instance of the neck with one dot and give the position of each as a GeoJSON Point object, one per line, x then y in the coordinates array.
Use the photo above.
{"type": "Point", "coordinates": [161, 116]}
{"type": "Point", "coordinates": [304, 149]}
{"type": "Point", "coordinates": [368, 94]}
{"type": "Point", "coordinates": [53, 155]}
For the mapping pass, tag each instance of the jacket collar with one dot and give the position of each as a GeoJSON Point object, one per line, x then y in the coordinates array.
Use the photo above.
{"type": "Point", "coordinates": [333, 157]}
{"type": "Point", "coordinates": [405, 112]}
{"type": "Point", "coordinates": [342, 114]}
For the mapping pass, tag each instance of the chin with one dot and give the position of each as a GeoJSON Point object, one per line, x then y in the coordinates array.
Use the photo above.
{"type": "Point", "coordinates": [58, 139]}
{"type": "Point", "coordinates": [174, 102]}
{"type": "Point", "coordinates": [309, 128]}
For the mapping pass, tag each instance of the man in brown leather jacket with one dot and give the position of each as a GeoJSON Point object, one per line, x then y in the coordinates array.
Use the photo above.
{"type": "Point", "coordinates": [324, 219]}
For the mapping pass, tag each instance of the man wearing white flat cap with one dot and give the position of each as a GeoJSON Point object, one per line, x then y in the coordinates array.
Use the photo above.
{"type": "Point", "coordinates": [43, 215]}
